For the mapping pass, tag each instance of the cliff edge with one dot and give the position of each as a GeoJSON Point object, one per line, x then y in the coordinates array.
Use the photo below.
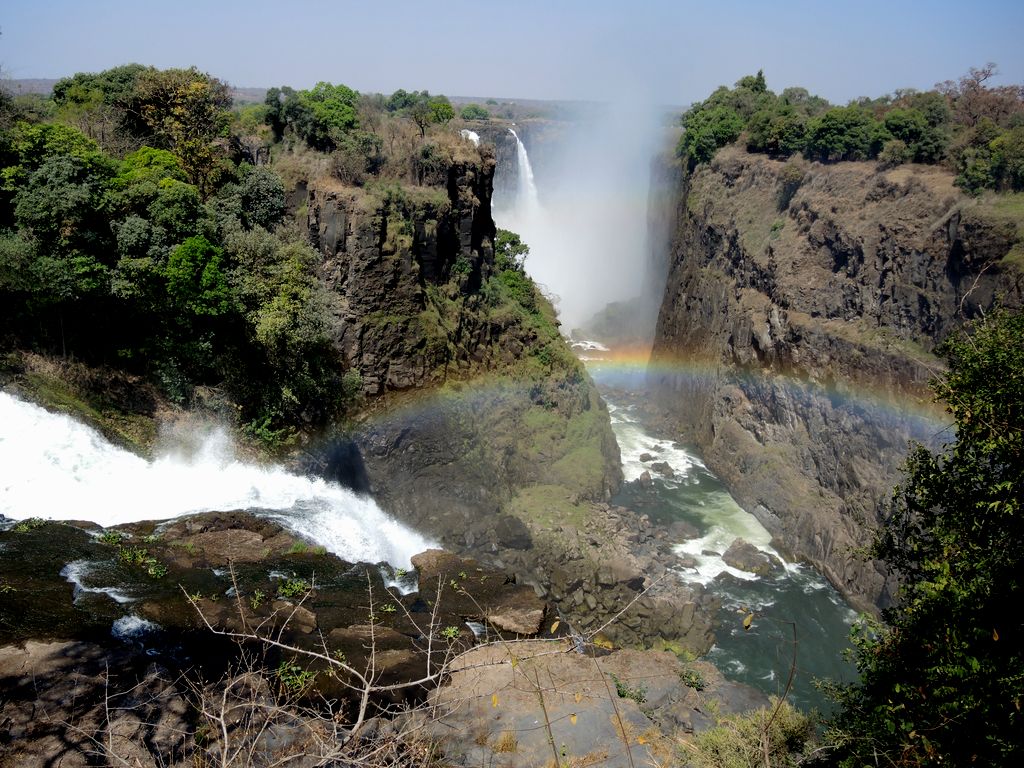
{"type": "Point", "coordinates": [796, 335]}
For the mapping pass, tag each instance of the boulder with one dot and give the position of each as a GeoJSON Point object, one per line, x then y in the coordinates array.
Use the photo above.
{"type": "Point", "coordinates": [745, 556]}
{"type": "Point", "coordinates": [663, 469]}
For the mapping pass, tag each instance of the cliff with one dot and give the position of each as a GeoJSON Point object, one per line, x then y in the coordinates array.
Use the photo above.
{"type": "Point", "coordinates": [796, 335]}
{"type": "Point", "coordinates": [480, 428]}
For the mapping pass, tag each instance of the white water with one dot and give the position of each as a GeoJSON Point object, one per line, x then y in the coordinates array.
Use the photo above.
{"type": "Point", "coordinates": [471, 135]}
{"type": "Point", "coordinates": [584, 214]}
{"type": "Point", "coordinates": [527, 203]}
{"type": "Point", "coordinates": [724, 521]}
{"type": "Point", "coordinates": [54, 467]}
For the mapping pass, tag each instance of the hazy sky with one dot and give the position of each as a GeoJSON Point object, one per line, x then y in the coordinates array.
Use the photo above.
{"type": "Point", "coordinates": [674, 52]}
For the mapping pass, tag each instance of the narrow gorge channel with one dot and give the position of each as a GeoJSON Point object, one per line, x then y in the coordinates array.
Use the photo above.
{"type": "Point", "coordinates": [790, 602]}
{"type": "Point", "coordinates": [799, 621]}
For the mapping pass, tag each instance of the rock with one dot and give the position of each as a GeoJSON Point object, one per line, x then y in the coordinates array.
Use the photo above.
{"type": "Point", "coordinates": [645, 457]}
{"type": "Point", "coordinates": [299, 618]}
{"type": "Point", "coordinates": [435, 562]}
{"type": "Point", "coordinates": [488, 710]}
{"type": "Point", "coordinates": [521, 621]}
{"type": "Point", "coordinates": [745, 556]}
{"type": "Point", "coordinates": [645, 480]}
{"type": "Point", "coordinates": [237, 545]}
{"type": "Point", "coordinates": [680, 530]}
{"type": "Point", "coordinates": [663, 469]}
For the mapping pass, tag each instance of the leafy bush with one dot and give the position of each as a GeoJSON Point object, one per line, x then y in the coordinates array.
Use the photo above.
{"type": "Point", "coordinates": [941, 680]}
{"type": "Point", "coordinates": [844, 133]}
{"type": "Point", "coordinates": [474, 112]}
{"type": "Point", "coordinates": [705, 130]}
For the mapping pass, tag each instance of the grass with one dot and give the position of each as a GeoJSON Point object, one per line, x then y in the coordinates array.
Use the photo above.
{"type": "Point", "coordinates": [1007, 209]}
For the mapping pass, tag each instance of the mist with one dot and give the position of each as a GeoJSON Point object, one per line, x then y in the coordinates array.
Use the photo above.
{"type": "Point", "coordinates": [587, 228]}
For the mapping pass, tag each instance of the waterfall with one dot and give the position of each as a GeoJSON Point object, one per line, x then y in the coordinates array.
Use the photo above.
{"type": "Point", "coordinates": [54, 467]}
{"type": "Point", "coordinates": [527, 201]}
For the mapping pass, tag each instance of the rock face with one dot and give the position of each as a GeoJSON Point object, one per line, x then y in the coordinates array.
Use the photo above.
{"type": "Point", "coordinates": [383, 252]}
{"type": "Point", "coordinates": [621, 709]}
{"type": "Point", "coordinates": [795, 338]}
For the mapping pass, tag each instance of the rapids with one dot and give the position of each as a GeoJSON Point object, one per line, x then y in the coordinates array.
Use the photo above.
{"type": "Point", "coordinates": [57, 468]}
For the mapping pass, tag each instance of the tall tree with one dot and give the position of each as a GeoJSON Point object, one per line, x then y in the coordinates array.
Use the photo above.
{"type": "Point", "coordinates": [187, 111]}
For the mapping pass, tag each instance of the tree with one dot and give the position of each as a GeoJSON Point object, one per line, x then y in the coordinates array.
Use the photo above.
{"type": "Point", "coordinates": [332, 112]}
{"type": "Point", "coordinates": [186, 111]}
{"type": "Point", "coordinates": [942, 681]}
{"type": "Point", "coordinates": [196, 283]}
{"type": "Point", "coordinates": [510, 251]}
{"type": "Point", "coordinates": [705, 130]}
{"type": "Point", "coordinates": [441, 110]}
{"type": "Point", "coordinates": [845, 133]}
{"type": "Point", "coordinates": [474, 112]}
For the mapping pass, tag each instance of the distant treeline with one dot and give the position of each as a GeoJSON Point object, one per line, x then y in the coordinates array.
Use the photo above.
{"type": "Point", "coordinates": [975, 129]}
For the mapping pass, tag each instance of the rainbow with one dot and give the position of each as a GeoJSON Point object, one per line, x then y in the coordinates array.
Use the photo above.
{"type": "Point", "coordinates": [909, 405]}
{"type": "Point", "coordinates": [910, 408]}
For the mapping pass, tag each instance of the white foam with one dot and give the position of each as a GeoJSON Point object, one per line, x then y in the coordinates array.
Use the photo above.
{"type": "Point", "coordinates": [57, 468]}
{"type": "Point", "coordinates": [588, 345]}
{"type": "Point", "coordinates": [76, 571]}
{"type": "Point", "coordinates": [131, 626]}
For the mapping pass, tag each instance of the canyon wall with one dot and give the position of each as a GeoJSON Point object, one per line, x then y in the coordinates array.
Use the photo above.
{"type": "Point", "coordinates": [480, 427]}
{"type": "Point", "coordinates": [798, 329]}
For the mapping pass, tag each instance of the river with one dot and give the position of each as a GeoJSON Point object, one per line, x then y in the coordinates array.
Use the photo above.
{"type": "Point", "coordinates": [793, 604]}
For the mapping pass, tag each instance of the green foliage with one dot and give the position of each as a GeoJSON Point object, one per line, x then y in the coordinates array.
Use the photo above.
{"type": "Point", "coordinates": [331, 111]}
{"type": "Point", "coordinates": [111, 538]}
{"type": "Point", "coordinates": [292, 588]}
{"type": "Point", "coordinates": [28, 524]}
{"type": "Point", "coordinates": [510, 251]}
{"type": "Point", "coordinates": [707, 129]}
{"type": "Point", "coordinates": [625, 691]}
{"type": "Point", "coordinates": [692, 678]}
{"type": "Point", "coordinates": [256, 599]}
{"type": "Point", "coordinates": [765, 737]}
{"type": "Point", "coordinates": [779, 130]}
{"type": "Point", "coordinates": [474, 112]}
{"type": "Point", "coordinates": [293, 679]}
{"type": "Point", "coordinates": [844, 133]}
{"type": "Point", "coordinates": [441, 110]}
{"type": "Point", "coordinates": [185, 111]}
{"type": "Point", "coordinates": [950, 659]}
{"type": "Point", "coordinates": [196, 284]}
{"type": "Point", "coordinates": [139, 557]}
{"type": "Point", "coordinates": [262, 197]}
{"type": "Point", "coordinates": [520, 288]}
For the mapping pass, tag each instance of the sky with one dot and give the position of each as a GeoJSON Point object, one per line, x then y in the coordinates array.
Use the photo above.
{"type": "Point", "coordinates": [666, 51]}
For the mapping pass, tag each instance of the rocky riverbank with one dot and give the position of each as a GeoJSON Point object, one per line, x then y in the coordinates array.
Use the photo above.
{"type": "Point", "coordinates": [137, 614]}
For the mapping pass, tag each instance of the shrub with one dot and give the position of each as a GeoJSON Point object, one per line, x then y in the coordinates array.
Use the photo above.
{"type": "Point", "coordinates": [941, 681]}
{"type": "Point", "coordinates": [844, 133]}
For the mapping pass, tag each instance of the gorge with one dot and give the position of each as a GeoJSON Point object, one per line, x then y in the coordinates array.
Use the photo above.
{"type": "Point", "coordinates": [390, 395]}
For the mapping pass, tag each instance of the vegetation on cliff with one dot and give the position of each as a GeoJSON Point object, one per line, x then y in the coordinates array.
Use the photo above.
{"type": "Point", "coordinates": [941, 678]}
{"type": "Point", "coordinates": [147, 226]}
{"type": "Point", "coordinates": [975, 129]}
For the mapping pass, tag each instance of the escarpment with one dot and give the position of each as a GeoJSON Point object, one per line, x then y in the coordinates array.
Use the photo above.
{"type": "Point", "coordinates": [480, 427]}
{"type": "Point", "coordinates": [796, 335]}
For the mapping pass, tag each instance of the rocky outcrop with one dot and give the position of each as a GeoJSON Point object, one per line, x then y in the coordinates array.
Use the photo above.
{"type": "Point", "coordinates": [384, 252]}
{"type": "Point", "coordinates": [795, 338]}
{"type": "Point", "coordinates": [523, 705]}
